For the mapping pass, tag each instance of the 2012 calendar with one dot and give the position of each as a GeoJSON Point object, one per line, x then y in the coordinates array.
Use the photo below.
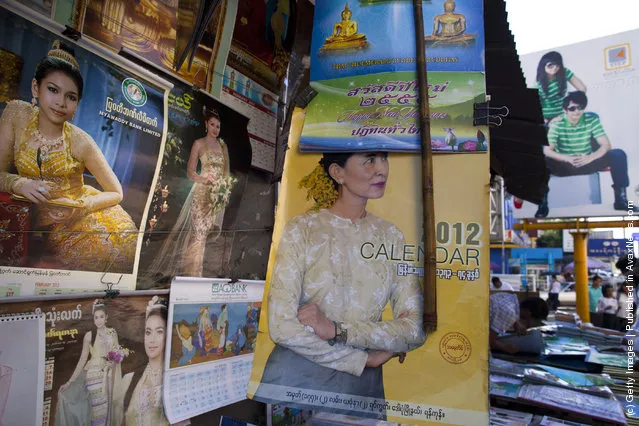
{"type": "Point", "coordinates": [211, 336]}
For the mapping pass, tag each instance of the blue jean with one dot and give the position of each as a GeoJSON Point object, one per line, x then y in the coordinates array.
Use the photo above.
{"type": "Point", "coordinates": [616, 159]}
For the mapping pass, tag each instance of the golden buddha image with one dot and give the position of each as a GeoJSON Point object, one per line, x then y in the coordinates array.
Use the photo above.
{"type": "Point", "coordinates": [345, 35]}
{"type": "Point", "coordinates": [449, 28]}
{"type": "Point", "coordinates": [148, 28]}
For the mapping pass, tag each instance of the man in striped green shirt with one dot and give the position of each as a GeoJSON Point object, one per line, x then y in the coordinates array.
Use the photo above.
{"type": "Point", "coordinates": [578, 145]}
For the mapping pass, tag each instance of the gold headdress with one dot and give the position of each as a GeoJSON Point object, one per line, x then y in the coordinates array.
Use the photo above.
{"type": "Point", "coordinates": [320, 188]}
{"type": "Point", "coordinates": [57, 52]}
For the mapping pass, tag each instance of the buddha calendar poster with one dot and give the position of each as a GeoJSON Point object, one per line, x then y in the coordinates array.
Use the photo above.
{"type": "Point", "coordinates": [363, 65]}
{"type": "Point", "coordinates": [150, 29]}
{"type": "Point", "coordinates": [370, 37]}
{"type": "Point", "coordinates": [81, 140]}
{"type": "Point", "coordinates": [363, 277]}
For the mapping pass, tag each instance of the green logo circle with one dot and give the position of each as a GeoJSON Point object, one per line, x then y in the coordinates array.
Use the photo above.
{"type": "Point", "coordinates": [134, 92]}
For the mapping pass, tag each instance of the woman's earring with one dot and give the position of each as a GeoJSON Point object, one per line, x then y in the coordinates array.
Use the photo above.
{"type": "Point", "coordinates": [34, 101]}
{"type": "Point", "coordinates": [340, 181]}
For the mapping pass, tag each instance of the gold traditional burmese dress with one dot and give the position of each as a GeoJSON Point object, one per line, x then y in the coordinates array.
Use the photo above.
{"type": "Point", "coordinates": [182, 252]}
{"type": "Point", "coordinates": [98, 381]}
{"type": "Point", "coordinates": [204, 212]}
{"type": "Point", "coordinates": [338, 264]}
{"type": "Point", "coordinates": [92, 397]}
{"type": "Point", "coordinates": [101, 240]}
{"type": "Point", "coordinates": [145, 407]}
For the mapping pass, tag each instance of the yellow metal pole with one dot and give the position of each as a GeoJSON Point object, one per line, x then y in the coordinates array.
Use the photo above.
{"type": "Point", "coordinates": [527, 226]}
{"type": "Point", "coordinates": [581, 274]}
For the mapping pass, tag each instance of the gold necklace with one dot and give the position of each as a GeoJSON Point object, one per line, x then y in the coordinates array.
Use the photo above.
{"type": "Point", "coordinates": [155, 375]}
{"type": "Point", "coordinates": [47, 145]}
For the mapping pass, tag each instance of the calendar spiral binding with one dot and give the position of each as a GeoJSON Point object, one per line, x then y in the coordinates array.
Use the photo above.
{"type": "Point", "coordinates": [20, 316]}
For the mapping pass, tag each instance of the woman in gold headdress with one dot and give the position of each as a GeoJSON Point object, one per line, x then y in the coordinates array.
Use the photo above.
{"type": "Point", "coordinates": [87, 397]}
{"type": "Point", "coordinates": [142, 389]}
{"type": "Point", "coordinates": [86, 228]}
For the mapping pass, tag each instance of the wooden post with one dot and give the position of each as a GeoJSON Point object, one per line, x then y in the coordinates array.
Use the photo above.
{"type": "Point", "coordinates": [430, 262]}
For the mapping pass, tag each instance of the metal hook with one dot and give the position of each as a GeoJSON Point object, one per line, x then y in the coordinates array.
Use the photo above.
{"type": "Point", "coordinates": [501, 114]}
{"type": "Point", "coordinates": [487, 120]}
{"type": "Point", "coordinates": [107, 283]}
{"type": "Point", "coordinates": [110, 292]}
{"type": "Point", "coordinates": [502, 111]}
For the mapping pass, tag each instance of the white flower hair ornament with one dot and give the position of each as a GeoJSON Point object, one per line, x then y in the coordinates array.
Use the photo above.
{"type": "Point", "coordinates": [97, 303]}
{"type": "Point", "coordinates": [155, 303]}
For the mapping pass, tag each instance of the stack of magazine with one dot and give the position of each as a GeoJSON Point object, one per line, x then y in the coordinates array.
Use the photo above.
{"type": "Point", "coordinates": [617, 359]}
{"type": "Point", "coordinates": [607, 410]}
{"type": "Point", "coordinates": [553, 421]}
{"type": "Point", "coordinates": [507, 378]}
{"type": "Point", "coordinates": [631, 408]}
{"type": "Point", "coordinates": [565, 390]}
{"type": "Point", "coordinates": [502, 417]}
{"type": "Point", "coordinates": [596, 336]}
{"type": "Point", "coordinates": [565, 346]}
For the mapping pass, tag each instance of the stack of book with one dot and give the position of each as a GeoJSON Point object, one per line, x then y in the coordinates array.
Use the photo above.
{"type": "Point", "coordinates": [506, 379]}
{"type": "Point", "coordinates": [607, 410]}
{"type": "Point", "coordinates": [502, 417]}
{"type": "Point", "coordinates": [611, 358]}
{"type": "Point", "coordinates": [626, 389]}
{"type": "Point", "coordinates": [553, 421]}
{"type": "Point", "coordinates": [579, 394]}
{"type": "Point", "coordinates": [595, 336]}
{"type": "Point", "coordinates": [565, 346]}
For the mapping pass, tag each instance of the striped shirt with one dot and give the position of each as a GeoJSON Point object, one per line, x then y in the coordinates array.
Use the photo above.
{"type": "Point", "coordinates": [504, 312]}
{"type": "Point", "coordinates": [552, 99]}
{"type": "Point", "coordinates": [567, 138]}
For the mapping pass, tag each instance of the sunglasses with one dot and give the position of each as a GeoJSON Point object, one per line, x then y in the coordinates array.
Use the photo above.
{"type": "Point", "coordinates": [551, 64]}
{"type": "Point", "coordinates": [575, 108]}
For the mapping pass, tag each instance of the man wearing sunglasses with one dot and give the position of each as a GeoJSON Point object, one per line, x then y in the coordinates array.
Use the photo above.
{"type": "Point", "coordinates": [578, 145]}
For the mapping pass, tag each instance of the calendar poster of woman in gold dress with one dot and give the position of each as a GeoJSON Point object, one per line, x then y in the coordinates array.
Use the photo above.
{"type": "Point", "coordinates": [193, 218]}
{"type": "Point", "coordinates": [78, 155]}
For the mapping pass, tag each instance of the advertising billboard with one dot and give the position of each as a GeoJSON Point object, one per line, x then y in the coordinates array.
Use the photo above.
{"type": "Point", "coordinates": [588, 93]}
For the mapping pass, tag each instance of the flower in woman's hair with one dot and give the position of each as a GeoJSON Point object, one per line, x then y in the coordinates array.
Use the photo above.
{"type": "Point", "coordinates": [155, 302]}
{"type": "Point", "coordinates": [118, 353]}
{"type": "Point", "coordinates": [319, 188]}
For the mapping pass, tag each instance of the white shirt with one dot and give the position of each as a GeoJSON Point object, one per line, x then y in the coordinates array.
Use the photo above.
{"type": "Point", "coordinates": [504, 287]}
{"type": "Point", "coordinates": [607, 305]}
{"type": "Point", "coordinates": [555, 287]}
{"type": "Point", "coordinates": [624, 303]}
